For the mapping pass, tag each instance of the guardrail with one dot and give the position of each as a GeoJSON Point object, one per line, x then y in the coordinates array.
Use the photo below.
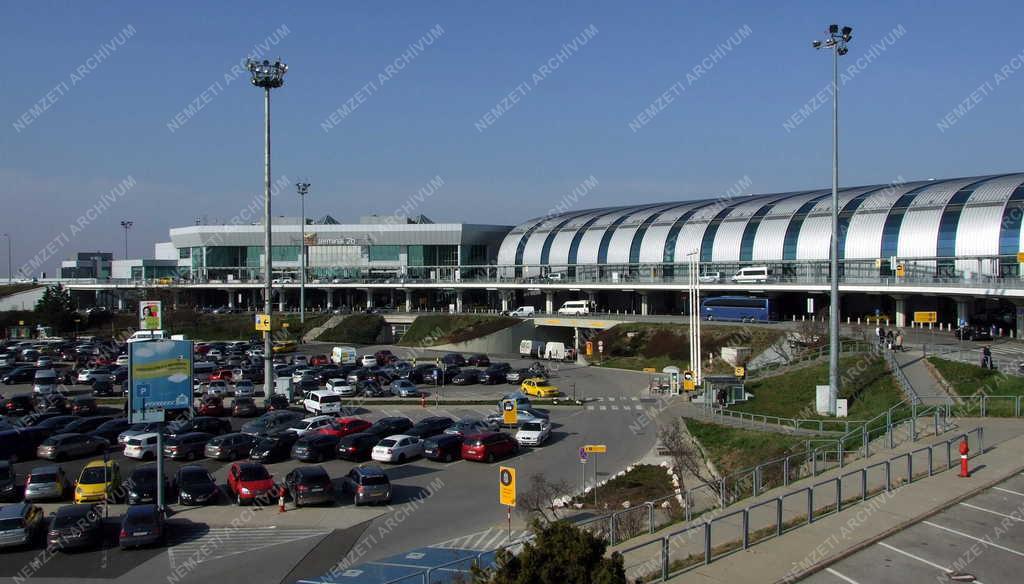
{"type": "Point", "coordinates": [900, 376]}
{"type": "Point", "coordinates": [701, 544]}
{"type": "Point", "coordinates": [818, 425]}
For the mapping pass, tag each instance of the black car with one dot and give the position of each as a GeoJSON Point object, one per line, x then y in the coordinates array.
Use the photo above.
{"type": "Point", "coordinates": [309, 484]}
{"type": "Point", "coordinates": [455, 359]}
{"type": "Point", "coordinates": [75, 527]}
{"type": "Point", "coordinates": [385, 427]}
{"type": "Point", "coordinates": [53, 403]}
{"type": "Point", "coordinates": [18, 405]}
{"type": "Point", "coordinates": [244, 407]}
{"type": "Point", "coordinates": [141, 525]}
{"type": "Point", "coordinates": [445, 447]}
{"type": "Point", "coordinates": [142, 484]}
{"type": "Point", "coordinates": [230, 446]}
{"type": "Point", "coordinates": [278, 401]}
{"type": "Point", "coordinates": [87, 425]}
{"type": "Point", "coordinates": [361, 374]}
{"type": "Point", "coordinates": [315, 447]}
{"type": "Point", "coordinates": [104, 387]}
{"type": "Point", "coordinates": [439, 376]}
{"type": "Point", "coordinates": [24, 374]}
{"type": "Point", "coordinates": [21, 443]}
{"type": "Point", "coordinates": [7, 481]}
{"type": "Point", "coordinates": [371, 388]}
{"type": "Point", "coordinates": [188, 446]}
{"type": "Point", "coordinates": [55, 424]}
{"type": "Point", "coordinates": [83, 406]}
{"type": "Point", "coordinates": [111, 429]}
{"type": "Point", "coordinates": [194, 485]}
{"type": "Point", "coordinates": [480, 360]}
{"type": "Point", "coordinates": [206, 424]}
{"type": "Point", "coordinates": [495, 373]}
{"type": "Point", "coordinates": [431, 426]}
{"type": "Point", "coordinates": [357, 446]}
{"type": "Point", "coordinates": [273, 448]}
{"type": "Point", "coordinates": [420, 373]}
{"type": "Point", "coordinates": [467, 377]}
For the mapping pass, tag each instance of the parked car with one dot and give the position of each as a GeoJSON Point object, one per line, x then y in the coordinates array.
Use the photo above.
{"type": "Point", "coordinates": [270, 422]}
{"type": "Point", "coordinates": [495, 373]}
{"type": "Point", "coordinates": [488, 446]}
{"type": "Point", "coordinates": [404, 388]}
{"type": "Point", "coordinates": [357, 446]}
{"type": "Point", "coordinates": [244, 388]}
{"type": "Point", "coordinates": [142, 446]}
{"type": "Point", "coordinates": [273, 448]}
{"type": "Point", "coordinates": [18, 405]}
{"type": "Point", "coordinates": [443, 447]}
{"type": "Point", "coordinates": [311, 424]}
{"type": "Point", "coordinates": [341, 386]}
{"type": "Point", "coordinates": [188, 446]}
{"type": "Point", "coordinates": [194, 485]}
{"type": "Point", "coordinates": [217, 388]}
{"type": "Point", "coordinates": [98, 481]}
{"type": "Point", "coordinates": [90, 376]}
{"type": "Point", "coordinates": [103, 388]}
{"type": "Point", "coordinates": [478, 360]}
{"type": "Point", "coordinates": [24, 374]}
{"type": "Point", "coordinates": [209, 425]}
{"type": "Point", "coordinates": [86, 425]}
{"type": "Point", "coordinates": [52, 403]}
{"type": "Point", "coordinates": [455, 359]}
{"type": "Point", "coordinates": [538, 387]}
{"type": "Point", "coordinates": [368, 484]}
{"type": "Point", "coordinates": [47, 483]}
{"type": "Point", "coordinates": [83, 406]}
{"type": "Point", "coordinates": [467, 377]}
{"type": "Point", "coordinates": [277, 401]}
{"type": "Point", "coordinates": [315, 447]}
{"type": "Point", "coordinates": [430, 426]}
{"type": "Point", "coordinates": [138, 429]}
{"type": "Point", "coordinates": [8, 478]}
{"type": "Point", "coordinates": [244, 407]}
{"type": "Point", "coordinates": [517, 376]}
{"type": "Point", "coordinates": [75, 527]}
{"type": "Point", "coordinates": [533, 433]}
{"type": "Point", "coordinates": [342, 427]}
{"type": "Point", "coordinates": [468, 426]}
{"type": "Point", "coordinates": [523, 416]}
{"type": "Point", "coordinates": [249, 481]}
{"type": "Point", "coordinates": [322, 402]}
{"type": "Point", "coordinates": [230, 446]}
{"type": "Point", "coordinates": [20, 524]}
{"type": "Point", "coordinates": [390, 425]}
{"type": "Point", "coordinates": [66, 446]}
{"type": "Point", "coordinates": [141, 525]}
{"type": "Point", "coordinates": [211, 406]}
{"type": "Point", "coordinates": [372, 388]}
{"type": "Point", "coordinates": [111, 429]}
{"type": "Point", "coordinates": [141, 486]}
{"type": "Point", "coordinates": [397, 448]}
{"type": "Point", "coordinates": [309, 484]}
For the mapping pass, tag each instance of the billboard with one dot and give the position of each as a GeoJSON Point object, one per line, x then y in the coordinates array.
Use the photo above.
{"type": "Point", "coordinates": [159, 376]}
{"type": "Point", "coordinates": [150, 315]}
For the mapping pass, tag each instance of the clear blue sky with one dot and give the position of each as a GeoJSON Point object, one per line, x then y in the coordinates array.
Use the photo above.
{"type": "Point", "coordinates": [574, 123]}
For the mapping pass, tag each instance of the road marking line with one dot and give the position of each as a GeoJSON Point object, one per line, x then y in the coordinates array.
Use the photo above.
{"type": "Point", "coordinates": [846, 579]}
{"type": "Point", "coordinates": [603, 408]}
{"type": "Point", "coordinates": [1019, 494]}
{"type": "Point", "coordinates": [992, 512]}
{"type": "Point", "coordinates": [590, 407]}
{"type": "Point", "coordinates": [615, 408]}
{"type": "Point", "coordinates": [913, 557]}
{"type": "Point", "coordinates": [611, 399]}
{"type": "Point", "coordinates": [977, 539]}
{"type": "Point", "coordinates": [635, 398]}
{"type": "Point", "coordinates": [638, 408]}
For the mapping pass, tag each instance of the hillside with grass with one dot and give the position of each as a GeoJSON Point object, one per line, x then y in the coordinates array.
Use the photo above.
{"type": "Point", "coordinates": [734, 449]}
{"type": "Point", "coordinates": [640, 345]}
{"type": "Point", "coordinates": [441, 329]}
{"type": "Point", "coordinates": [358, 329]}
{"type": "Point", "coordinates": [969, 380]}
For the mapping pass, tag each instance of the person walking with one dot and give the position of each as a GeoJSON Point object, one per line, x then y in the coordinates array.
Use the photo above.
{"type": "Point", "coordinates": [899, 341]}
{"type": "Point", "coordinates": [986, 357]}
{"type": "Point", "coordinates": [890, 340]}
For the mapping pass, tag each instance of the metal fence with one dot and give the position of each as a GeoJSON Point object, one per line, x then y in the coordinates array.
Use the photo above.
{"type": "Point", "coordinates": [719, 536]}
{"type": "Point", "coordinates": [1005, 365]}
{"type": "Point", "coordinates": [822, 425]}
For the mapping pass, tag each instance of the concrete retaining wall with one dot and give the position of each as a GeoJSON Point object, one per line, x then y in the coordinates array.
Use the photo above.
{"type": "Point", "coordinates": [22, 300]}
{"type": "Point", "coordinates": [506, 341]}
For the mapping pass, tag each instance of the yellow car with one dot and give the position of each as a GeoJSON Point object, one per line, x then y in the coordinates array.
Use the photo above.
{"type": "Point", "coordinates": [539, 387]}
{"type": "Point", "coordinates": [284, 346]}
{"type": "Point", "coordinates": [96, 483]}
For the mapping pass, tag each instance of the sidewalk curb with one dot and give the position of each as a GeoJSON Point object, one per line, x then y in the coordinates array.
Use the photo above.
{"type": "Point", "coordinates": [898, 528]}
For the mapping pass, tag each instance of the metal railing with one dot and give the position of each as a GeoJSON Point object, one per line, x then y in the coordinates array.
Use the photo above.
{"type": "Point", "coordinates": [813, 354]}
{"type": "Point", "coordinates": [1008, 366]}
{"type": "Point", "coordinates": [763, 420]}
{"type": "Point", "coordinates": [900, 375]}
{"type": "Point", "coordinates": [659, 559]}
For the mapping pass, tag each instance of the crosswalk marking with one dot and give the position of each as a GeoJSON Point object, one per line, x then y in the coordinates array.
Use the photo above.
{"type": "Point", "coordinates": [486, 540]}
{"type": "Point", "coordinates": [200, 544]}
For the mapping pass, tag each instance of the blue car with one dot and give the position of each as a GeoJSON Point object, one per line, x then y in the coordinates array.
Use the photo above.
{"type": "Point", "coordinates": [404, 388]}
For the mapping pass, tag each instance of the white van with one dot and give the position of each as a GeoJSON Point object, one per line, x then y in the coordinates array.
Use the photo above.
{"type": "Point", "coordinates": [147, 336]}
{"type": "Point", "coordinates": [343, 355]}
{"type": "Point", "coordinates": [45, 382]}
{"type": "Point", "coordinates": [554, 351]}
{"type": "Point", "coordinates": [523, 311]}
{"type": "Point", "coordinates": [752, 274]}
{"type": "Point", "coordinates": [529, 348]}
{"type": "Point", "coordinates": [575, 308]}
{"type": "Point", "coordinates": [322, 402]}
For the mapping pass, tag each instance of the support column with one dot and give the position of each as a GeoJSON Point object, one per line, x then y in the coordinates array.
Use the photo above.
{"type": "Point", "coordinates": [281, 300]}
{"type": "Point", "coordinates": [408, 300]}
{"type": "Point", "coordinates": [901, 311]}
{"type": "Point", "coordinates": [175, 298]}
{"type": "Point", "coordinates": [549, 302]}
{"type": "Point", "coordinates": [592, 299]}
{"type": "Point", "coordinates": [963, 311]}
{"type": "Point", "coordinates": [643, 304]}
{"type": "Point", "coordinates": [504, 301]}
{"type": "Point", "coordinates": [120, 301]}
{"type": "Point", "coordinates": [330, 298]}
{"type": "Point", "coordinates": [369, 298]}
{"type": "Point", "coordinates": [1020, 318]}
{"type": "Point", "coordinates": [458, 300]}
{"type": "Point", "coordinates": [231, 299]}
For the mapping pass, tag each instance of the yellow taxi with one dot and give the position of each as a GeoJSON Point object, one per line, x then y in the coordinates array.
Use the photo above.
{"type": "Point", "coordinates": [96, 483]}
{"type": "Point", "coordinates": [539, 387]}
{"type": "Point", "coordinates": [284, 346]}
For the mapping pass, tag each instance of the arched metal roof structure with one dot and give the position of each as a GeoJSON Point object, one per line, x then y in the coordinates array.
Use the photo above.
{"type": "Point", "coordinates": [948, 218]}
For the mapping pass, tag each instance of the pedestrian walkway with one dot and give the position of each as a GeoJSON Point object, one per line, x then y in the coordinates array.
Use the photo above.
{"type": "Point", "coordinates": [617, 404]}
{"type": "Point", "coordinates": [928, 389]}
{"type": "Point", "coordinates": [197, 543]}
{"type": "Point", "coordinates": [486, 540]}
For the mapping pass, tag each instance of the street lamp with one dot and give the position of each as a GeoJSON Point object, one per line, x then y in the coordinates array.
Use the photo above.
{"type": "Point", "coordinates": [303, 188]}
{"type": "Point", "coordinates": [836, 41]}
{"type": "Point", "coordinates": [10, 264]}
{"type": "Point", "coordinates": [126, 225]}
{"type": "Point", "coordinates": [267, 76]}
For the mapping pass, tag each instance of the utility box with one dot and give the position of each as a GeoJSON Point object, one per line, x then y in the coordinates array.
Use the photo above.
{"type": "Point", "coordinates": [284, 386]}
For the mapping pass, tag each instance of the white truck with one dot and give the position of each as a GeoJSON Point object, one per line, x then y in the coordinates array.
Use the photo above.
{"type": "Point", "coordinates": [343, 355]}
{"type": "Point", "coordinates": [530, 348]}
{"type": "Point", "coordinates": [554, 351]}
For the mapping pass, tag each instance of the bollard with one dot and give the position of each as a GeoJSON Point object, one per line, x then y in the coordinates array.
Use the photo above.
{"type": "Point", "coordinates": [964, 449]}
{"type": "Point", "coordinates": [423, 401]}
{"type": "Point", "coordinates": [280, 499]}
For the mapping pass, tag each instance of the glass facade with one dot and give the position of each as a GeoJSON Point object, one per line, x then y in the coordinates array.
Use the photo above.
{"type": "Point", "coordinates": [385, 253]}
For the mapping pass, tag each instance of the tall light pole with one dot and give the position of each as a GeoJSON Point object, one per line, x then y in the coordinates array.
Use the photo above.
{"type": "Point", "coordinates": [267, 76]}
{"type": "Point", "coordinates": [126, 225]}
{"type": "Point", "coordinates": [10, 263]}
{"type": "Point", "coordinates": [303, 189]}
{"type": "Point", "coordinates": [836, 41]}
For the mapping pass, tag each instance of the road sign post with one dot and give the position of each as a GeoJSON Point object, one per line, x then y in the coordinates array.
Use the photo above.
{"type": "Point", "coordinates": [507, 492]}
{"type": "Point", "coordinates": [509, 415]}
{"type": "Point", "coordinates": [593, 449]}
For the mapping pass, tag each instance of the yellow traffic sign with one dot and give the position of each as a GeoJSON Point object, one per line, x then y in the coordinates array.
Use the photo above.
{"type": "Point", "coordinates": [650, 369]}
{"type": "Point", "coordinates": [509, 414]}
{"type": "Point", "coordinates": [1020, 257]}
{"type": "Point", "coordinates": [689, 380]}
{"type": "Point", "coordinates": [507, 486]}
{"type": "Point", "coordinates": [263, 322]}
{"type": "Point", "coordinates": [926, 317]}
{"type": "Point", "coordinates": [595, 448]}
{"type": "Point", "coordinates": [901, 270]}
{"type": "Point", "coordinates": [740, 371]}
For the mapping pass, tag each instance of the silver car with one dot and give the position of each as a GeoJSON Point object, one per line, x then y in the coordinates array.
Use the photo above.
{"type": "Point", "coordinates": [46, 482]}
{"type": "Point", "coordinates": [245, 388]}
{"type": "Point", "coordinates": [20, 524]}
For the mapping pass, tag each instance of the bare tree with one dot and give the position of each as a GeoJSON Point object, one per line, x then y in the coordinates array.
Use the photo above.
{"type": "Point", "coordinates": [686, 455]}
{"type": "Point", "coordinates": [540, 496]}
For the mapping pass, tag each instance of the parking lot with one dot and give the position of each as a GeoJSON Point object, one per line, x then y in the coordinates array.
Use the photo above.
{"type": "Point", "coordinates": [978, 540]}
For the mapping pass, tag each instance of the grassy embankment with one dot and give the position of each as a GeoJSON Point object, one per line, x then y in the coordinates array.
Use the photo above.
{"type": "Point", "coordinates": [440, 329]}
{"type": "Point", "coordinates": [641, 345]}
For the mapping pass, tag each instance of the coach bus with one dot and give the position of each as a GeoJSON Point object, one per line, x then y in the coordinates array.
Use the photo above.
{"type": "Point", "coordinates": [739, 308]}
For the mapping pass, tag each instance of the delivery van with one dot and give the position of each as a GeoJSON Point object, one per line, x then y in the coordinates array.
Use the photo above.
{"type": "Point", "coordinates": [343, 355]}
{"type": "Point", "coordinates": [530, 348]}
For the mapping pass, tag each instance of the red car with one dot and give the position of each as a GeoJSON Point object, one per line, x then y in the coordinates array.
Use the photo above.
{"type": "Point", "coordinates": [248, 481]}
{"type": "Point", "coordinates": [384, 357]}
{"type": "Point", "coordinates": [342, 427]}
{"type": "Point", "coordinates": [211, 406]}
{"type": "Point", "coordinates": [202, 349]}
{"type": "Point", "coordinates": [319, 360]}
{"type": "Point", "coordinates": [488, 446]}
{"type": "Point", "coordinates": [222, 375]}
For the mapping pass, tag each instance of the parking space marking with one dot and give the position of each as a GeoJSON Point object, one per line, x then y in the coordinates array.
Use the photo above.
{"type": "Point", "coordinates": [590, 407]}
{"type": "Point", "coordinates": [846, 579]}
{"type": "Point", "coordinates": [918, 558]}
{"type": "Point", "coordinates": [992, 512]}
{"type": "Point", "coordinates": [638, 408]}
{"type": "Point", "coordinates": [603, 408]}
{"type": "Point", "coordinates": [1018, 493]}
{"type": "Point", "coordinates": [611, 399]}
{"type": "Point", "coordinates": [200, 544]}
{"type": "Point", "coordinates": [977, 539]}
{"type": "Point", "coordinates": [615, 408]}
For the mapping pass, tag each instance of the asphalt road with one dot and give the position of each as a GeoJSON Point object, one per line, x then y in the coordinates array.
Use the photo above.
{"type": "Point", "coordinates": [433, 502]}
